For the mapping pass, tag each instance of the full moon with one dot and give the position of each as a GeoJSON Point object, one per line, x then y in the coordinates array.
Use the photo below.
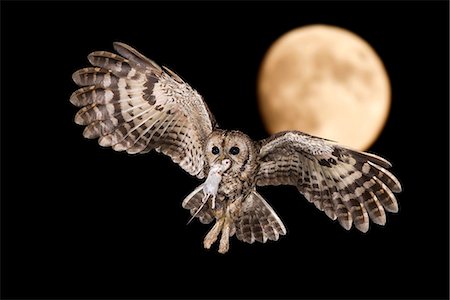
{"type": "Point", "coordinates": [325, 81]}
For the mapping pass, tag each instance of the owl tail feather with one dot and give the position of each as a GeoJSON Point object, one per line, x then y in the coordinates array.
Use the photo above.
{"type": "Point", "coordinates": [258, 221]}
{"type": "Point", "coordinates": [251, 220]}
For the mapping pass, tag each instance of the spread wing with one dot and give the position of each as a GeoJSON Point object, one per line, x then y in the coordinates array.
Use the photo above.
{"type": "Point", "coordinates": [131, 104]}
{"type": "Point", "coordinates": [346, 184]}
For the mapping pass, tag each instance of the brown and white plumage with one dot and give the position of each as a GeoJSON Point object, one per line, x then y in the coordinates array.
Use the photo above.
{"type": "Point", "coordinates": [346, 184]}
{"type": "Point", "coordinates": [131, 104]}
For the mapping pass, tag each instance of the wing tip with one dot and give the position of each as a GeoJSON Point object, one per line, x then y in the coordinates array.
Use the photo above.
{"type": "Point", "coordinates": [78, 119]}
{"type": "Point", "coordinates": [76, 77]}
{"type": "Point", "coordinates": [379, 221]}
{"type": "Point", "coordinates": [394, 184]}
{"type": "Point", "coordinates": [91, 57]}
{"type": "Point", "coordinates": [373, 158]}
{"type": "Point", "coordinates": [91, 132]}
{"type": "Point", "coordinates": [120, 45]}
{"type": "Point", "coordinates": [132, 54]}
{"type": "Point", "coordinates": [398, 188]}
{"type": "Point", "coordinates": [74, 99]}
{"type": "Point", "coordinates": [346, 225]}
{"type": "Point", "coordinates": [393, 208]}
{"type": "Point", "coordinates": [364, 227]}
{"type": "Point", "coordinates": [174, 75]}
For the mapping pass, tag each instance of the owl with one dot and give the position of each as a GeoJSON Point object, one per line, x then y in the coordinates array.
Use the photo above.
{"type": "Point", "coordinates": [130, 103]}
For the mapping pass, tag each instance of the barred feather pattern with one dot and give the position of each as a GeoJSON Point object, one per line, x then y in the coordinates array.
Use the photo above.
{"type": "Point", "coordinates": [350, 186]}
{"type": "Point", "coordinates": [253, 219]}
{"type": "Point", "coordinates": [131, 104]}
{"type": "Point", "coordinates": [257, 221]}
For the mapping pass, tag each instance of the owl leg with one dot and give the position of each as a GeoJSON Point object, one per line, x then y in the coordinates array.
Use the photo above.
{"type": "Point", "coordinates": [225, 238]}
{"type": "Point", "coordinates": [212, 235]}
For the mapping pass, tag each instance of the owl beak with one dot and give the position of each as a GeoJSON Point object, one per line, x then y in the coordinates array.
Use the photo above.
{"type": "Point", "coordinates": [226, 164]}
{"type": "Point", "coordinates": [222, 164]}
{"type": "Point", "coordinates": [219, 159]}
{"type": "Point", "coordinates": [228, 160]}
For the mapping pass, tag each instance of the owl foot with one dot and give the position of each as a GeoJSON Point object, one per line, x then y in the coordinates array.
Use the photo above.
{"type": "Point", "coordinates": [222, 225]}
{"type": "Point", "coordinates": [212, 235]}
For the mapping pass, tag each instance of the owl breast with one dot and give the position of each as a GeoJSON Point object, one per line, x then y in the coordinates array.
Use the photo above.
{"type": "Point", "coordinates": [234, 187]}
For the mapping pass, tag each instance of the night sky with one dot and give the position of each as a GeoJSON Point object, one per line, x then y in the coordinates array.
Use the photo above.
{"type": "Point", "coordinates": [83, 221]}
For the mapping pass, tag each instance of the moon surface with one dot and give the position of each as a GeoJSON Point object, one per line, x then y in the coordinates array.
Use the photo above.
{"type": "Point", "coordinates": [325, 81]}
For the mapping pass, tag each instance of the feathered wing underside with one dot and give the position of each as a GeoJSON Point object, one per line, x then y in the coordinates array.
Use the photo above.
{"type": "Point", "coordinates": [131, 104]}
{"type": "Point", "coordinates": [347, 185]}
{"type": "Point", "coordinates": [257, 221]}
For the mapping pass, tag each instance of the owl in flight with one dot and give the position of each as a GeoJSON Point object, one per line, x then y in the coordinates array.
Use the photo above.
{"type": "Point", "coordinates": [132, 104]}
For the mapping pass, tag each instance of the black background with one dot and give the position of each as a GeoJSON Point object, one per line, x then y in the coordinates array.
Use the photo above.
{"type": "Point", "coordinates": [82, 221]}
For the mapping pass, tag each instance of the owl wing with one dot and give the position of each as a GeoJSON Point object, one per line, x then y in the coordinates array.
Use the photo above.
{"type": "Point", "coordinates": [131, 104]}
{"type": "Point", "coordinates": [346, 184]}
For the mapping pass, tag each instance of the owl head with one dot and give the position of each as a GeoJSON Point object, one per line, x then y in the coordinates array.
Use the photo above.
{"type": "Point", "coordinates": [233, 145]}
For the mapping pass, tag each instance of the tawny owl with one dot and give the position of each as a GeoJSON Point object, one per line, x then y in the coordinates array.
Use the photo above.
{"type": "Point", "coordinates": [131, 104]}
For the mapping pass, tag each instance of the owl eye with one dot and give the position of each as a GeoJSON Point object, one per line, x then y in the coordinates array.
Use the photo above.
{"type": "Point", "coordinates": [215, 150]}
{"type": "Point", "coordinates": [234, 150]}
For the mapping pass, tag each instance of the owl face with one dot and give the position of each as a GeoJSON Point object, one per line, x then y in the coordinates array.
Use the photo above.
{"type": "Point", "coordinates": [233, 145]}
